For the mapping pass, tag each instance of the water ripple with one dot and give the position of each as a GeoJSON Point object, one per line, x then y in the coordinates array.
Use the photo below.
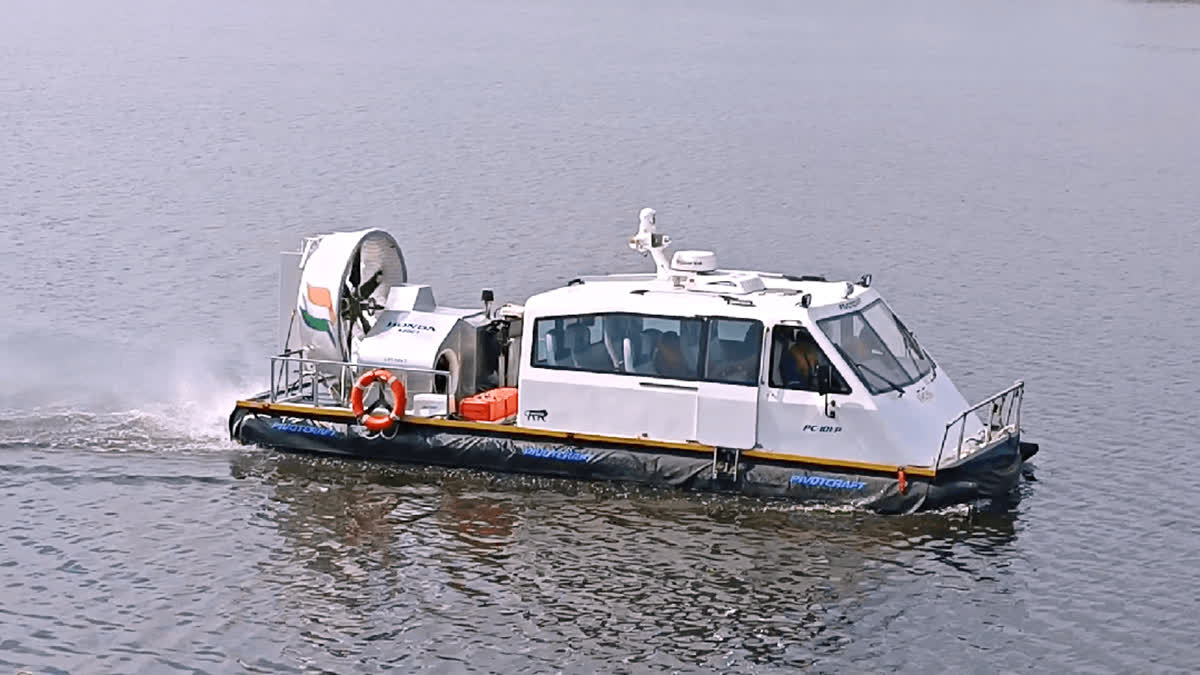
{"type": "Point", "coordinates": [1031, 211]}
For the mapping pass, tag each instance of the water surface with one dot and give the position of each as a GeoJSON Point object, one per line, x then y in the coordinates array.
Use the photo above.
{"type": "Point", "coordinates": [1019, 178]}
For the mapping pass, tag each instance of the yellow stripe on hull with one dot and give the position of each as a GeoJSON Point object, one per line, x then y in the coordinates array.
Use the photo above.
{"type": "Point", "coordinates": [348, 416]}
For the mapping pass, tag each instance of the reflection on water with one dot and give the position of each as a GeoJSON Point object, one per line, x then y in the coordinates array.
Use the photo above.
{"type": "Point", "coordinates": [380, 550]}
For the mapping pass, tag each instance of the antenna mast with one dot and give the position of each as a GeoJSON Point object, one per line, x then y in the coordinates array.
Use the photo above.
{"type": "Point", "coordinates": [647, 240]}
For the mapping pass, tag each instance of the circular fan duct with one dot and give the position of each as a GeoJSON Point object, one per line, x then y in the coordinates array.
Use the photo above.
{"type": "Point", "coordinates": [344, 283]}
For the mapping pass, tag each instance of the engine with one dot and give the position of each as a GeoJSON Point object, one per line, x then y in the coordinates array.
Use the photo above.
{"type": "Point", "coordinates": [414, 333]}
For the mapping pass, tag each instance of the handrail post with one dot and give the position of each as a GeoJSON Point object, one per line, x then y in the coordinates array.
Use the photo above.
{"type": "Point", "coordinates": [987, 428]}
{"type": "Point", "coordinates": [942, 448]}
{"type": "Point", "coordinates": [1020, 400]}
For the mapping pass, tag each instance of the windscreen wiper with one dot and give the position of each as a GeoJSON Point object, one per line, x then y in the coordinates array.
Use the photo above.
{"type": "Point", "coordinates": [872, 371]}
{"type": "Point", "coordinates": [911, 346]}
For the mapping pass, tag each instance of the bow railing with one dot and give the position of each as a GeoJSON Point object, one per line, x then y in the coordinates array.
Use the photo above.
{"type": "Point", "coordinates": [1004, 419]}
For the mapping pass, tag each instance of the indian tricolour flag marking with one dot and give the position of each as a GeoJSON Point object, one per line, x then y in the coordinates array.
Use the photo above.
{"type": "Point", "coordinates": [318, 299]}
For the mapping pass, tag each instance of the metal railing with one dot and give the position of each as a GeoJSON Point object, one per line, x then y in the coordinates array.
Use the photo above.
{"type": "Point", "coordinates": [1004, 418]}
{"type": "Point", "coordinates": [296, 379]}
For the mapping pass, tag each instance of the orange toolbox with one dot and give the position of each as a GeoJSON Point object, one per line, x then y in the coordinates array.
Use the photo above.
{"type": "Point", "coordinates": [492, 405]}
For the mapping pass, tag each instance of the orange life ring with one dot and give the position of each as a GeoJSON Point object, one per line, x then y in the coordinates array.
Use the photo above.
{"type": "Point", "coordinates": [372, 421]}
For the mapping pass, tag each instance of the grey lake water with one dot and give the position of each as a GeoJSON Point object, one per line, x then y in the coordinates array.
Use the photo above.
{"type": "Point", "coordinates": [1022, 179]}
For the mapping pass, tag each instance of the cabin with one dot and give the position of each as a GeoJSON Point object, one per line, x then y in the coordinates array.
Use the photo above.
{"type": "Point", "coordinates": [737, 359]}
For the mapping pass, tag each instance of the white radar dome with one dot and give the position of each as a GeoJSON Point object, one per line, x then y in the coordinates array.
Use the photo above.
{"type": "Point", "coordinates": [694, 261]}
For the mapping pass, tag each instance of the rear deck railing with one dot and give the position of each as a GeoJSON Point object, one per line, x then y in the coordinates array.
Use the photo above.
{"type": "Point", "coordinates": [1004, 419]}
{"type": "Point", "coordinates": [296, 379]}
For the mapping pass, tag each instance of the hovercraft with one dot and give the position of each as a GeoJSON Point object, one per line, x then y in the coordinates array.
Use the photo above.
{"type": "Point", "coordinates": [690, 377]}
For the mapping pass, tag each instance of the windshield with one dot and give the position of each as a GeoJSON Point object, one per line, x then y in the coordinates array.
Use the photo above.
{"type": "Point", "coordinates": [883, 353]}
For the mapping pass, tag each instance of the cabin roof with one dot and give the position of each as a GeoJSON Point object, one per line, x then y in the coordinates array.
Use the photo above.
{"type": "Point", "coordinates": [736, 293]}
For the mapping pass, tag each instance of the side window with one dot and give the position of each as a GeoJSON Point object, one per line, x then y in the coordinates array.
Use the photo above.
{"type": "Point", "coordinates": [547, 343]}
{"type": "Point", "coordinates": [572, 342]}
{"type": "Point", "coordinates": [794, 358]}
{"type": "Point", "coordinates": [653, 346]}
{"type": "Point", "coordinates": [674, 347]}
{"type": "Point", "coordinates": [734, 349]}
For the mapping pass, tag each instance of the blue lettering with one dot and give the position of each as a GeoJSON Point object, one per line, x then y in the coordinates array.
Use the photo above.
{"type": "Point", "coordinates": [563, 455]}
{"type": "Point", "coordinates": [304, 429]}
{"type": "Point", "coordinates": [822, 481]}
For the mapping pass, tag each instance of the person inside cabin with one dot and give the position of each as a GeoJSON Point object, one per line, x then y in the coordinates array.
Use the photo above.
{"type": "Point", "coordinates": [647, 350]}
{"type": "Point", "coordinates": [668, 357]}
{"type": "Point", "coordinates": [750, 350]}
{"type": "Point", "coordinates": [616, 334]}
{"type": "Point", "coordinates": [736, 362]}
{"type": "Point", "coordinates": [578, 340]}
{"type": "Point", "coordinates": [860, 343]}
{"type": "Point", "coordinates": [691, 334]}
{"type": "Point", "coordinates": [798, 367]}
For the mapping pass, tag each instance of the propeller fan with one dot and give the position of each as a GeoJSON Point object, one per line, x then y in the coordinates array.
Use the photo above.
{"type": "Point", "coordinates": [357, 303]}
{"type": "Point", "coordinates": [344, 285]}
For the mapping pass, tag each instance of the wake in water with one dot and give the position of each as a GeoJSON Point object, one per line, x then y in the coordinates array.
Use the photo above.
{"type": "Point", "coordinates": [65, 392]}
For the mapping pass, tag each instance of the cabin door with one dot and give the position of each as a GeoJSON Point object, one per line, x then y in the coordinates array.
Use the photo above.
{"type": "Point", "coordinates": [727, 396]}
{"type": "Point", "coordinates": [791, 414]}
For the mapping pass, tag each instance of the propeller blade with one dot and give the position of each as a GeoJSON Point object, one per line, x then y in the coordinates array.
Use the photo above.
{"type": "Point", "coordinates": [370, 285]}
{"type": "Point", "coordinates": [348, 318]}
{"type": "Point", "coordinates": [366, 327]}
{"type": "Point", "coordinates": [355, 269]}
